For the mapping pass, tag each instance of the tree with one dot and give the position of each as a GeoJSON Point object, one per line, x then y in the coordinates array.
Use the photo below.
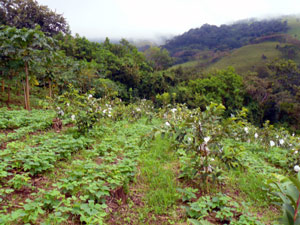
{"type": "Point", "coordinates": [259, 91]}
{"type": "Point", "coordinates": [49, 68]}
{"type": "Point", "coordinates": [159, 58]}
{"type": "Point", "coordinates": [24, 45]}
{"type": "Point", "coordinates": [285, 76]}
{"type": "Point", "coordinates": [9, 67]}
{"type": "Point", "coordinates": [276, 92]}
{"type": "Point", "coordinates": [224, 87]}
{"type": "Point", "coordinates": [28, 14]}
{"type": "Point", "coordinates": [210, 37]}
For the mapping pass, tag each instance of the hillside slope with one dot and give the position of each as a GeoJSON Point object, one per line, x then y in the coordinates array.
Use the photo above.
{"type": "Point", "coordinates": [249, 57]}
{"type": "Point", "coordinates": [187, 46]}
{"type": "Point", "coordinates": [294, 27]}
{"type": "Point", "coordinates": [261, 47]}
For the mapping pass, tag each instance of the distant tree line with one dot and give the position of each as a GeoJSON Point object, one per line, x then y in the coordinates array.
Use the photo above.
{"type": "Point", "coordinates": [224, 37]}
{"type": "Point", "coordinates": [33, 58]}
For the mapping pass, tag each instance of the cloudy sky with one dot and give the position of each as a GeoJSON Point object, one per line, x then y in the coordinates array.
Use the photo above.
{"type": "Point", "coordinates": [155, 18]}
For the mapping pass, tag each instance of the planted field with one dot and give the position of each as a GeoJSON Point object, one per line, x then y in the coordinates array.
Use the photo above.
{"type": "Point", "coordinates": [55, 178]}
{"type": "Point", "coordinates": [19, 123]}
{"type": "Point", "coordinates": [139, 166]}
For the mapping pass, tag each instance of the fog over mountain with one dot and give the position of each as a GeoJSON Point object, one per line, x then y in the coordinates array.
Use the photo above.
{"type": "Point", "coordinates": [144, 19]}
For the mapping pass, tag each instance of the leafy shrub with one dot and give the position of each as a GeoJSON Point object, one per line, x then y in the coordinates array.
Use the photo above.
{"type": "Point", "coordinates": [83, 109]}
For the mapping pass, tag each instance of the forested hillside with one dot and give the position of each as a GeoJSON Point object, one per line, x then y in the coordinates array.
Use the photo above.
{"type": "Point", "coordinates": [102, 133]}
{"type": "Point", "coordinates": [225, 37]}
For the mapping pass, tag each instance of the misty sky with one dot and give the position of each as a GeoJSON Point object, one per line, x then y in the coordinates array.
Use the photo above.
{"type": "Point", "coordinates": [153, 18]}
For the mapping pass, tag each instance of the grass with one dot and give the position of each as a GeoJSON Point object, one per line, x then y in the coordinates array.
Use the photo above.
{"type": "Point", "coordinates": [294, 24]}
{"type": "Point", "coordinates": [153, 198]}
{"type": "Point", "coordinates": [244, 59]}
{"type": "Point", "coordinates": [251, 185]}
{"type": "Point", "coordinates": [186, 64]}
{"type": "Point", "coordinates": [161, 191]}
{"type": "Point", "coordinates": [247, 58]}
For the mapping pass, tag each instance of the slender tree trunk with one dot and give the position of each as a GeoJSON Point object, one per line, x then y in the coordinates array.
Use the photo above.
{"type": "Point", "coordinates": [27, 86]}
{"type": "Point", "coordinates": [50, 88]}
{"type": "Point", "coordinates": [17, 85]}
{"type": "Point", "coordinates": [8, 95]}
{"type": "Point", "coordinates": [18, 89]}
{"type": "Point", "coordinates": [11, 74]}
{"type": "Point", "coordinates": [25, 100]}
{"type": "Point", "coordinates": [2, 85]}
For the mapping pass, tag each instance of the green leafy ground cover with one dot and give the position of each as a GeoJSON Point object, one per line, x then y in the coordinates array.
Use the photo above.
{"type": "Point", "coordinates": [139, 166]}
{"type": "Point", "coordinates": [104, 161]}
{"type": "Point", "coordinates": [16, 124]}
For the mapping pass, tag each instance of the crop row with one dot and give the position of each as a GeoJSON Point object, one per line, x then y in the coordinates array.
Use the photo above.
{"type": "Point", "coordinates": [16, 124]}
{"type": "Point", "coordinates": [21, 118]}
{"type": "Point", "coordinates": [43, 156]}
{"type": "Point", "coordinates": [85, 187]}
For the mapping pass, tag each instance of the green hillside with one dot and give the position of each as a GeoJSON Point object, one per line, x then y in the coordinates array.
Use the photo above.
{"type": "Point", "coordinates": [248, 57]}
{"type": "Point", "coordinates": [294, 24]}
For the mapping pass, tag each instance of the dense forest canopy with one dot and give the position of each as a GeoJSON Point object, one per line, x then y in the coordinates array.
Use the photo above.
{"type": "Point", "coordinates": [224, 37]}
{"type": "Point", "coordinates": [28, 14]}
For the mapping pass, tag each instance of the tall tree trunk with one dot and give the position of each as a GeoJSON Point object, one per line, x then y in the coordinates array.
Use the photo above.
{"type": "Point", "coordinates": [50, 88]}
{"type": "Point", "coordinates": [11, 74]}
{"type": "Point", "coordinates": [3, 87]}
{"type": "Point", "coordinates": [18, 89]}
{"type": "Point", "coordinates": [25, 99]}
{"type": "Point", "coordinates": [8, 95]}
{"type": "Point", "coordinates": [27, 86]}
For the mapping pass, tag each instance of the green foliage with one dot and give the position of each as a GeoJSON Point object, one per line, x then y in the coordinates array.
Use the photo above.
{"type": "Point", "coordinates": [22, 123]}
{"type": "Point", "coordinates": [44, 155]}
{"type": "Point", "coordinates": [106, 88]}
{"type": "Point", "coordinates": [24, 46]}
{"type": "Point", "coordinates": [194, 133]}
{"type": "Point", "coordinates": [277, 92]}
{"type": "Point", "coordinates": [221, 38]}
{"type": "Point", "coordinates": [187, 194]}
{"type": "Point", "coordinates": [159, 58]}
{"type": "Point", "coordinates": [156, 83]}
{"type": "Point", "coordinates": [206, 149]}
{"type": "Point", "coordinates": [28, 14]}
{"type": "Point", "coordinates": [210, 145]}
{"type": "Point", "coordinates": [19, 181]}
{"type": "Point", "coordinates": [231, 154]}
{"type": "Point", "coordinates": [82, 108]}
{"type": "Point", "coordinates": [225, 87]}
{"type": "Point", "coordinates": [289, 193]}
{"type": "Point", "coordinates": [88, 178]}
{"type": "Point", "coordinates": [163, 99]}
{"type": "Point", "coordinates": [222, 206]}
